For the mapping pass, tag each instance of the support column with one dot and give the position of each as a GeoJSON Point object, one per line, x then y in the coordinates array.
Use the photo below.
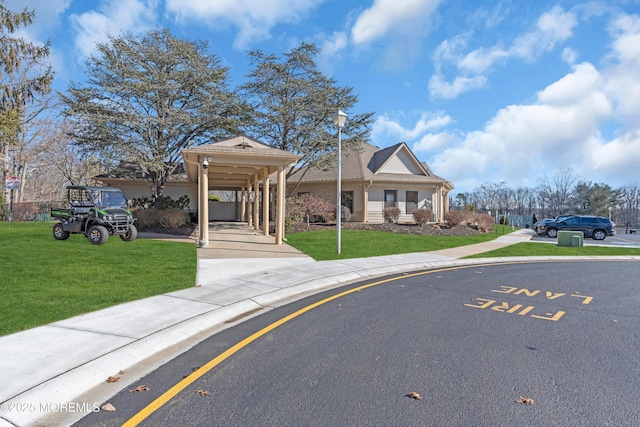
{"type": "Point", "coordinates": [203, 207]}
{"type": "Point", "coordinates": [446, 202]}
{"type": "Point", "coordinates": [249, 213]}
{"type": "Point", "coordinates": [256, 200]}
{"type": "Point", "coordinates": [265, 202]}
{"type": "Point", "coordinates": [280, 206]}
{"type": "Point", "coordinates": [440, 207]}
{"type": "Point", "coordinates": [243, 207]}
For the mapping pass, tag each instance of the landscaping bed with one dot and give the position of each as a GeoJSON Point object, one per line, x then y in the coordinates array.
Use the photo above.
{"type": "Point", "coordinates": [425, 230]}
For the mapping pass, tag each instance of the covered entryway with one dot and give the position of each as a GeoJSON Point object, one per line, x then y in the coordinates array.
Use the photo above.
{"type": "Point", "coordinates": [243, 165]}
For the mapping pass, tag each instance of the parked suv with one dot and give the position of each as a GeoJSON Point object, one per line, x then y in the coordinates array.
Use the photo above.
{"type": "Point", "coordinates": [596, 227]}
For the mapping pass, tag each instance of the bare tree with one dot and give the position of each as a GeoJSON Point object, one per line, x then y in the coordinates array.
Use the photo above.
{"type": "Point", "coordinates": [629, 207]}
{"type": "Point", "coordinates": [556, 191]}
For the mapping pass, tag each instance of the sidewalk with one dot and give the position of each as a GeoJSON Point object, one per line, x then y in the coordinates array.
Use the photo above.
{"type": "Point", "coordinates": [55, 374]}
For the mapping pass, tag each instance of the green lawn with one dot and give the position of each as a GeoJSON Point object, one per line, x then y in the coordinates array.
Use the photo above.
{"type": "Point", "coordinates": [321, 245]}
{"type": "Point", "coordinates": [549, 249]}
{"type": "Point", "coordinates": [43, 280]}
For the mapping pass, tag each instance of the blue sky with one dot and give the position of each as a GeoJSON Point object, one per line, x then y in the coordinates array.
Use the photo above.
{"type": "Point", "coordinates": [483, 91]}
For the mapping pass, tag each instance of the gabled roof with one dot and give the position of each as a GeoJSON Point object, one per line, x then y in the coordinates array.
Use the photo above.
{"type": "Point", "coordinates": [233, 161]}
{"type": "Point", "coordinates": [392, 164]}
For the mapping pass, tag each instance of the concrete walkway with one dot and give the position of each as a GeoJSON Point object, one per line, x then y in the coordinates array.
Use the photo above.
{"type": "Point", "coordinates": [55, 374]}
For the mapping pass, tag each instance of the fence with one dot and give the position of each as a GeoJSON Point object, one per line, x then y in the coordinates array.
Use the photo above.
{"type": "Point", "coordinates": [29, 211]}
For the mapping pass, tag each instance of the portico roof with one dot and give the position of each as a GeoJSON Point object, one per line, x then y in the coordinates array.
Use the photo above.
{"type": "Point", "coordinates": [234, 161]}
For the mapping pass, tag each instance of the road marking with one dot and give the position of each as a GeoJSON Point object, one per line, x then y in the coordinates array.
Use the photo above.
{"type": "Point", "coordinates": [173, 391]}
{"type": "Point", "coordinates": [147, 411]}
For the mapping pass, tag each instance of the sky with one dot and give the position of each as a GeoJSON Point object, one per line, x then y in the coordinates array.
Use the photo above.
{"type": "Point", "coordinates": [482, 91]}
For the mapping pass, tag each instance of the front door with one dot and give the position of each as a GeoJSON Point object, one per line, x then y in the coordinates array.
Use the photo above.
{"type": "Point", "coordinates": [412, 201]}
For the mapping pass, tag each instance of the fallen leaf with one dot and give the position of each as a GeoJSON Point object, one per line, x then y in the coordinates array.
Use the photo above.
{"type": "Point", "coordinates": [414, 395]}
{"type": "Point", "coordinates": [108, 407]}
{"type": "Point", "coordinates": [121, 372]}
{"type": "Point", "coordinates": [112, 379]}
{"type": "Point", "coordinates": [139, 389]}
{"type": "Point", "coordinates": [525, 400]}
{"type": "Point", "coordinates": [202, 392]}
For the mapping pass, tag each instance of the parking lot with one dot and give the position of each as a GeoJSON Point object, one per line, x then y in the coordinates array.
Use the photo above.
{"type": "Point", "coordinates": [619, 240]}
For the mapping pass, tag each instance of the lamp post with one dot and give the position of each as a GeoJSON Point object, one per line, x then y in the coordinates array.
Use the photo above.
{"type": "Point", "coordinates": [338, 119]}
{"type": "Point", "coordinates": [610, 209]}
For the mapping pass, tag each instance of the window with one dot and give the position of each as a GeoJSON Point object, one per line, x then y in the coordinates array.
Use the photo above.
{"type": "Point", "coordinates": [390, 198]}
{"type": "Point", "coordinates": [412, 201]}
{"type": "Point", "coordinates": [347, 200]}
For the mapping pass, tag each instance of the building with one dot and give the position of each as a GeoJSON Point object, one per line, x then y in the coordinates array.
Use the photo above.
{"type": "Point", "coordinates": [372, 179]}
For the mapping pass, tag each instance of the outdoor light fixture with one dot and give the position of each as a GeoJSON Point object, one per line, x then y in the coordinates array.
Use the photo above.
{"type": "Point", "coordinates": [339, 119]}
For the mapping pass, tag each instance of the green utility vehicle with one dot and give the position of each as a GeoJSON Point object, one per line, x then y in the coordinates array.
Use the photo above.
{"type": "Point", "coordinates": [96, 212]}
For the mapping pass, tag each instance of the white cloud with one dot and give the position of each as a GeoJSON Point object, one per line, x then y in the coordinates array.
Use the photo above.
{"type": "Point", "coordinates": [388, 129]}
{"type": "Point", "coordinates": [432, 141]}
{"type": "Point", "coordinates": [552, 28]}
{"type": "Point", "coordinates": [569, 55]}
{"type": "Point", "coordinates": [439, 88]}
{"type": "Point", "coordinates": [386, 16]}
{"type": "Point", "coordinates": [111, 19]}
{"type": "Point", "coordinates": [399, 26]}
{"type": "Point", "coordinates": [254, 18]}
{"type": "Point", "coordinates": [522, 141]}
{"type": "Point", "coordinates": [623, 76]}
{"type": "Point", "coordinates": [330, 50]}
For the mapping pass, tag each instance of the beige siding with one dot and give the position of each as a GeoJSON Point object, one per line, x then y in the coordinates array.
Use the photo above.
{"type": "Point", "coordinates": [401, 163]}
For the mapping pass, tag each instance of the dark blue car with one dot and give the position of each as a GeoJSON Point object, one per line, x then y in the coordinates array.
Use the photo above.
{"type": "Point", "coordinates": [596, 227]}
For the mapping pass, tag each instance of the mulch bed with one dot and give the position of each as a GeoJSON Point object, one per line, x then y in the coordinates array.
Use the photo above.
{"type": "Point", "coordinates": [426, 230]}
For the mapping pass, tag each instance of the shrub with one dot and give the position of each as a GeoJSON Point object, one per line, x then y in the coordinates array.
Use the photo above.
{"type": "Point", "coordinates": [469, 215]}
{"type": "Point", "coordinates": [310, 207]}
{"type": "Point", "coordinates": [172, 218]}
{"type": "Point", "coordinates": [504, 220]}
{"type": "Point", "coordinates": [165, 203]}
{"type": "Point", "coordinates": [215, 198]}
{"type": "Point", "coordinates": [453, 218]}
{"type": "Point", "coordinates": [421, 216]}
{"type": "Point", "coordinates": [485, 222]}
{"type": "Point", "coordinates": [168, 218]}
{"type": "Point", "coordinates": [391, 214]}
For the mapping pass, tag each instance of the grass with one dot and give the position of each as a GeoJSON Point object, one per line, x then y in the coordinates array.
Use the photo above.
{"type": "Point", "coordinates": [43, 280]}
{"type": "Point", "coordinates": [546, 249]}
{"type": "Point", "coordinates": [321, 245]}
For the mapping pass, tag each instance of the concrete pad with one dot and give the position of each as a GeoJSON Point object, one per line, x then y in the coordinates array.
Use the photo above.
{"type": "Point", "coordinates": [32, 357]}
{"type": "Point", "coordinates": [214, 270]}
{"type": "Point", "coordinates": [138, 319]}
{"type": "Point", "coordinates": [233, 291]}
{"type": "Point", "coordinates": [86, 384]}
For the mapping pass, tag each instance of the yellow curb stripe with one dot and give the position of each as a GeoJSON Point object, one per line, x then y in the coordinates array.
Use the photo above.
{"type": "Point", "coordinates": [186, 382]}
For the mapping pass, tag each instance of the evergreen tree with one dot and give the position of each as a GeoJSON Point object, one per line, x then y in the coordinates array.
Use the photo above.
{"type": "Point", "coordinates": [149, 97]}
{"type": "Point", "coordinates": [293, 104]}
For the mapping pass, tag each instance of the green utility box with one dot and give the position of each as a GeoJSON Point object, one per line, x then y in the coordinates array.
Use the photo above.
{"type": "Point", "coordinates": [570, 238]}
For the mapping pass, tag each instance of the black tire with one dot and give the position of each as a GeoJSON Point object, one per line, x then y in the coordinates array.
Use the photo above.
{"type": "Point", "coordinates": [130, 235]}
{"type": "Point", "coordinates": [552, 232]}
{"type": "Point", "coordinates": [98, 235]}
{"type": "Point", "coordinates": [599, 234]}
{"type": "Point", "coordinates": [59, 233]}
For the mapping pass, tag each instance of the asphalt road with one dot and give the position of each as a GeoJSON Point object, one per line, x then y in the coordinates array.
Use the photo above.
{"type": "Point", "coordinates": [470, 341]}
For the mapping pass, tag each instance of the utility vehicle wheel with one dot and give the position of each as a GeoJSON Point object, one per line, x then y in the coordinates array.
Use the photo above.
{"type": "Point", "coordinates": [131, 234]}
{"type": "Point", "coordinates": [552, 232]}
{"type": "Point", "coordinates": [59, 232]}
{"type": "Point", "coordinates": [599, 235]}
{"type": "Point", "coordinates": [98, 234]}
